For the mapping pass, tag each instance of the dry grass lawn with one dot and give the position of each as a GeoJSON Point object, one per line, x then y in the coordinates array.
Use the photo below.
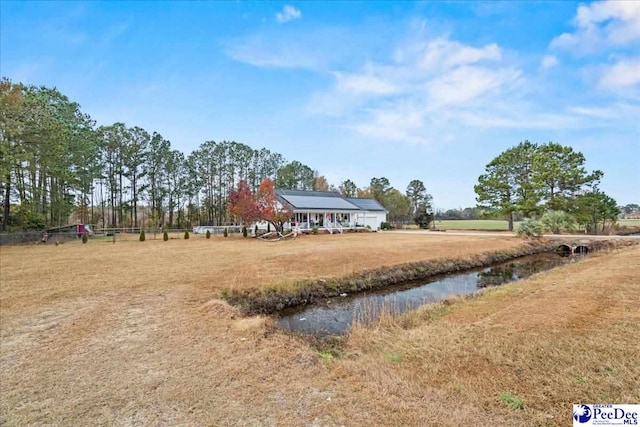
{"type": "Point", "coordinates": [134, 334]}
{"type": "Point", "coordinates": [39, 275]}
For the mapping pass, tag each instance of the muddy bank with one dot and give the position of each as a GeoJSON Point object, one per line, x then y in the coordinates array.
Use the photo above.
{"type": "Point", "coordinates": [275, 298]}
{"type": "Point", "coordinates": [628, 231]}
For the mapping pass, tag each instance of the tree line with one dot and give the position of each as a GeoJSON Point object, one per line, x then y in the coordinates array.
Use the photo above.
{"type": "Point", "coordinates": [56, 163]}
{"type": "Point", "coordinates": [530, 180]}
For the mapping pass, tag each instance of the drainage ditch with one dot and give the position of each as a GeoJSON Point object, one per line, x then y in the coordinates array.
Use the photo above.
{"type": "Point", "coordinates": [334, 316]}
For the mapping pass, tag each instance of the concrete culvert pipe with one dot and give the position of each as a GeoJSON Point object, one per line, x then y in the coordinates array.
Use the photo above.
{"type": "Point", "coordinates": [581, 250]}
{"type": "Point", "coordinates": [564, 250]}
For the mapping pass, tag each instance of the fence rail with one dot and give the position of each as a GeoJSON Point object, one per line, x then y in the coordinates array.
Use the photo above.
{"type": "Point", "coordinates": [108, 233]}
{"type": "Point", "coordinates": [34, 237]}
{"type": "Point", "coordinates": [217, 229]}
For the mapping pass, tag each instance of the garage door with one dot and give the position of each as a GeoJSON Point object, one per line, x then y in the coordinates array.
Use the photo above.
{"type": "Point", "coordinates": [371, 221]}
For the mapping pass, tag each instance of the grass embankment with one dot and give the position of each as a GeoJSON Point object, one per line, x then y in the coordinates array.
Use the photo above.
{"type": "Point", "coordinates": [475, 224]}
{"type": "Point", "coordinates": [565, 336]}
{"type": "Point", "coordinates": [270, 299]}
{"type": "Point", "coordinates": [628, 226]}
{"type": "Point", "coordinates": [503, 225]}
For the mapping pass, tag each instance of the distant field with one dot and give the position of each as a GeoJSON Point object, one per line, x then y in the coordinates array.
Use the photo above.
{"type": "Point", "coordinates": [478, 224]}
{"type": "Point", "coordinates": [500, 225]}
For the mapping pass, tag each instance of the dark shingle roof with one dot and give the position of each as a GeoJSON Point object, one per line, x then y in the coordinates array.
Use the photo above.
{"type": "Point", "coordinates": [282, 192]}
{"type": "Point", "coordinates": [366, 204]}
{"type": "Point", "coordinates": [319, 202]}
{"type": "Point", "coordinates": [327, 200]}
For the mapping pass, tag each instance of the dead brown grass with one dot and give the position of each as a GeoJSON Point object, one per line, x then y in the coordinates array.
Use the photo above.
{"type": "Point", "coordinates": [134, 334]}
{"type": "Point", "coordinates": [562, 337]}
{"type": "Point", "coordinates": [37, 275]}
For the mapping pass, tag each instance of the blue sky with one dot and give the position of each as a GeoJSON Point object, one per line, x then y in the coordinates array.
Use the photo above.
{"type": "Point", "coordinates": [429, 90]}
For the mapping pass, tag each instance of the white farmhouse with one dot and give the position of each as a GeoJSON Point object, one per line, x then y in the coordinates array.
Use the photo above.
{"type": "Point", "coordinates": [331, 211]}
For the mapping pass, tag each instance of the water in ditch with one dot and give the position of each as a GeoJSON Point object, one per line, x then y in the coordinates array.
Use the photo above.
{"type": "Point", "coordinates": [334, 316]}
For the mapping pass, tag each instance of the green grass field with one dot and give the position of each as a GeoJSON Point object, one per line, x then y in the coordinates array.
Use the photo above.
{"type": "Point", "coordinates": [478, 224]}
{"type": "Point", "coordinates": [500, 225]}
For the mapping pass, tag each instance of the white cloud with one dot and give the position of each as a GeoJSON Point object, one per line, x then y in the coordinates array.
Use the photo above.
{"type": "Point", "coordinates": [285, 58]}
{"type": "Point", "coordinates": [402, 123]}
{"type": "Point", "coordinates": [623, 74]}
{"type": "Point", "coordinates": [437, 86]}
{"type": "Point", "coordinates": [597, 112]}
{"type": "Point", "coordinates": [458, 54]}
{"type": "Point", "coordinates": [601, 25]}
{"type": "Point", "coordinates": [465, 84]}
{"type": "Point", "coordinates": [115, 31]}
{"type": "Point", "coordinates": [289, 13]}
{"type": "Point", "coordinates": [363, 84]}
{"type": "Point", "coordinates": [427, 86]}
{"type": "Point", "coordinates": [289, 47]}
{"type": "Point", "coordinates": [271, 52]}
{"type": "Point", "coordinates": [442, 53]}
{"type": "Point", "coordinates": [521, 120]}
{"type": "Point", "coordinates": [619, 116]}
{"type": "Point", "coordinates": [607, 38]}
{"type": "Point", "coordinates": [422, 90]}
{"type": "Point", "coordinates": [549, 61]}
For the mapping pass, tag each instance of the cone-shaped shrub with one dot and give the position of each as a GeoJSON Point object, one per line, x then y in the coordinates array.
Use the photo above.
{"type": "Point", "coordinates": [142, 236]}
{"type": "Point", "coordinates": [84, 238]}
{"type": "Point", "coordinates": [208, 234]}
{"type": "Point", "coordinates": [186, 234]}
{"type": "Point", "coordinates": [165, 235]}
{"type": "Point", "coordinates": [225, 233]}
{"type": "Point", "coordinates": [244, 231]}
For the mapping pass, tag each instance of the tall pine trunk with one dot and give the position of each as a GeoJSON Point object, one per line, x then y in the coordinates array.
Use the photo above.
{"type": "Point", "coordinates": [120, 192]}
{"type": "Point", "coordinates": [6, 205]}
{"type": "Point", "coordinates": [102, 203]}
{"type": "Point", "coordinates": [135, 202]}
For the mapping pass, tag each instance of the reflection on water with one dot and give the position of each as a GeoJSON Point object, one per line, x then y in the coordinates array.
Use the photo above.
{"type": "Point", "coordinates": [334, 316]}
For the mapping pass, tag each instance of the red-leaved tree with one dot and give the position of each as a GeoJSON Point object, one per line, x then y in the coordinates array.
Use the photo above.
{"type": "Point", "coordinates": [269, 206]}
{"type": "Point", "coordinates": [243, 204]}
